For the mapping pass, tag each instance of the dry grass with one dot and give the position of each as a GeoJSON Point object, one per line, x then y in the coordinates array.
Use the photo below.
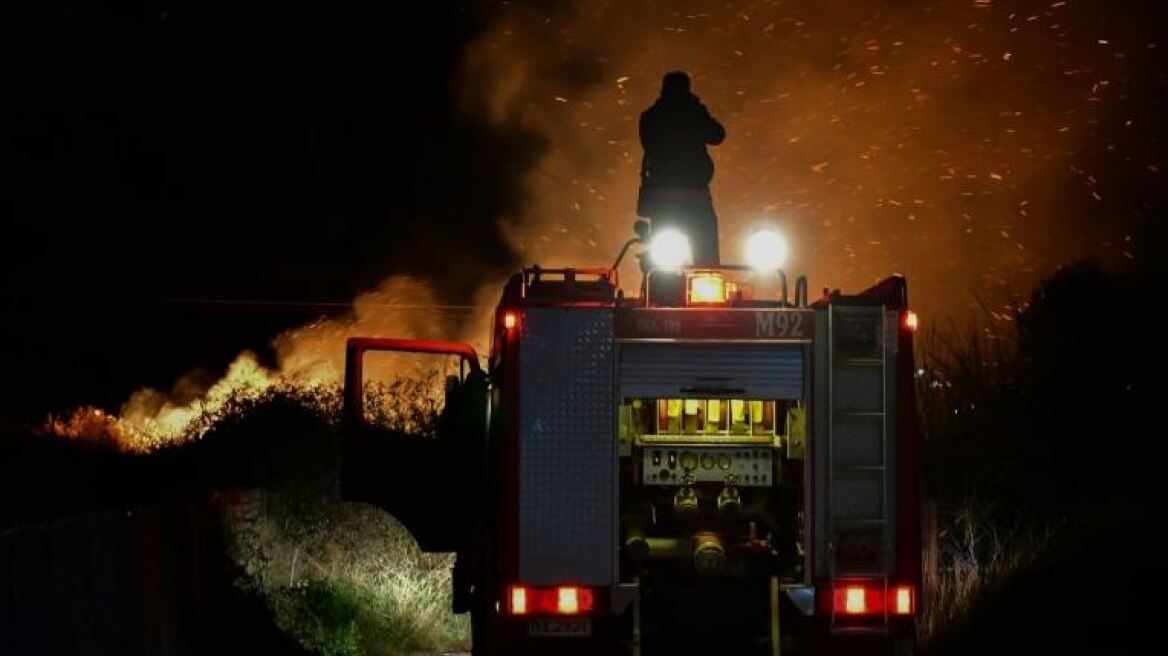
{"type": "Point", "coordinates": [976, 423]}
{"type": "Point", "coordinates": [347, 579]}
{"type": "Point", "coordinates": [978, 552]}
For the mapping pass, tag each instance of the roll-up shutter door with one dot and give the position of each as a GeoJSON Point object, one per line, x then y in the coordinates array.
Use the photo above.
{"type": "Point", "coordinates": [710, 370]}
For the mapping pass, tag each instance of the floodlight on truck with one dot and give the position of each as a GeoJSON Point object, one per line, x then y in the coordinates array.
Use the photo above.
{"type": "Point", "coordinates": [766, 250]}
{"type": "Point", "coordinates": [669, 250]}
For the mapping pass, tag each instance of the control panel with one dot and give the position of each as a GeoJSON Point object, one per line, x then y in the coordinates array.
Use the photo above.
{"type": "Point", "coordinates": [702, 464]}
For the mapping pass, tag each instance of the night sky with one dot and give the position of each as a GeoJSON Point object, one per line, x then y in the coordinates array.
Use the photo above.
{"type": "Point", "coordinates": [166, 151]}
{"type": "Point", "coordinates": [159, 156]}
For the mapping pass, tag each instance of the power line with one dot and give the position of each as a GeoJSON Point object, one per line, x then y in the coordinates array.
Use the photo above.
{"type": "Point", "coordinates": [333, 305]}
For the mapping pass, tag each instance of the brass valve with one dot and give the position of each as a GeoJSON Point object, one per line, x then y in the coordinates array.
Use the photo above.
{"type": "Point", "coordinates": [685, 502]}
{"type": "Point", "coordinates": [729, 500]}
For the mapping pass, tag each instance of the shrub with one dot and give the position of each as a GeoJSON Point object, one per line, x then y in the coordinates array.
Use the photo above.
{"type": "Point", "coordinates": [342, 578]}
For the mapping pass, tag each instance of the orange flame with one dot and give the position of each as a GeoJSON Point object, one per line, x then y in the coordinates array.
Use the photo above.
{"type": "Point", "coordinates": [309, 356]}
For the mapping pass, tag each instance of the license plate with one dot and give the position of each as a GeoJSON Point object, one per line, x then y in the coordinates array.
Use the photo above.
{"type": "Point", "coordinates": [559, 628]}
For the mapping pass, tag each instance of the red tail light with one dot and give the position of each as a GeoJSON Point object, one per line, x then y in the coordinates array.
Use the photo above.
{"type": "Point", "coordinates": [572, 601]}
{"type": "Point", "coordinates": [902, 600]}
{"type": "Point", "coordinates": [510, 320]}
{"type": "Point", "coordinates": [518, 600]}
{"type": "Point", "coordinates": [857, 599]}
{"type": "Point", "coordinates": [562, 600]}
{"type": "Point", "coordinates": [870, 598]}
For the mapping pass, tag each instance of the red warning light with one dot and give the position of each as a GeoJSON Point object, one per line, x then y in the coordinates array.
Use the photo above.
{"type": "Point", "coordinates": [911, 321]}
{"type": "Point", "coordinates": [510, 320]}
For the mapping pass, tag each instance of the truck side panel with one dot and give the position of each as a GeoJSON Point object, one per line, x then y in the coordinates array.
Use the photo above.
{"type": "Point", "coordinates": [567, 448]}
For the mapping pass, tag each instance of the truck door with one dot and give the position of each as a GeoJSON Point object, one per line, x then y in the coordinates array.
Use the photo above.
{"type": "Point", "coordinates": [429, 484]}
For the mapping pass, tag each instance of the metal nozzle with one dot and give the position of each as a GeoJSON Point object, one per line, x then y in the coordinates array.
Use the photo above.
{"type": "Point", "coordinates": [709, 554]}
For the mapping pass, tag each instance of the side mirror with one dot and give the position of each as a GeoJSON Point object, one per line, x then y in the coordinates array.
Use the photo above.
{"type": "Point", "coordinates": [641, 228]}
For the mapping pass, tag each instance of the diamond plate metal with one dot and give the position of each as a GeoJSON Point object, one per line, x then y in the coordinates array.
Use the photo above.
{"type": "Point", "coordinates": [567, 447]}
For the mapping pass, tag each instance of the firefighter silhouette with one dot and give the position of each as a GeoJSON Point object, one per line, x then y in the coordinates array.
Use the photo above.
{"type": "Point", "coordinates": [676, 169]}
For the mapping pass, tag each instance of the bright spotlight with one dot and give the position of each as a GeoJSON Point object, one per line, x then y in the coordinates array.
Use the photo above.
{"type": "Point", "coordinates": [766, 250]}
{"type": "Point", "coordinates": [669, 250]}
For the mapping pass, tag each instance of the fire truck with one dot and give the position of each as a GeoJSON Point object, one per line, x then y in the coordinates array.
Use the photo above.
{"type": "Point", "coordinates": [689, 465]}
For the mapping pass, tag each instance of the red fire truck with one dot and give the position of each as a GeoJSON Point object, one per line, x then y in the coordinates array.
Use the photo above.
{"type": "Point", "coordinates": [690, 465]}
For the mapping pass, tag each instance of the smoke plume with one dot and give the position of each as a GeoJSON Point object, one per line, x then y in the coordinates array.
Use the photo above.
{"type": "Point", "coordinates": [972, 145]}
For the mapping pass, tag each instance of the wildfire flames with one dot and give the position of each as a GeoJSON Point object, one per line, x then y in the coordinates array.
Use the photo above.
{"type": "Point", "coordinates": [151, 418]}
{"type": "Point", "coordinates": [310, 356]}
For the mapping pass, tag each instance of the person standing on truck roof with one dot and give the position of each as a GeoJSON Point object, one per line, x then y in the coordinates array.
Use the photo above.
{"type": "Point", "coordinates": [676, 169]}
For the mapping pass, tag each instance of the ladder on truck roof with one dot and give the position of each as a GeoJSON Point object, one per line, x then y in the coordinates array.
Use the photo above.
{"type": "Point", "coordinates": [859, 506]}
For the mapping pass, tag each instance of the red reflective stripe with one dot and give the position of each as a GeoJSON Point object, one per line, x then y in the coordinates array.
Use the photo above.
{"type": "Point", "coordinates": [508, 493]}
{"type": "Point", "coordinates": [908, 483]}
